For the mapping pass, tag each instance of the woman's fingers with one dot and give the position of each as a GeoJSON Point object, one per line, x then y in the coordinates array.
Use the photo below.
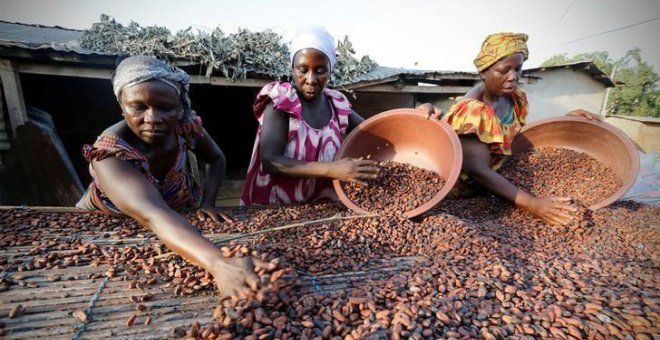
{"type": "Point", "coordinates": [363, 162]}
{"type": "Point", "coordinates": [200, 214]}
{"type": "Point", "coordinates": [560, 203]}
{"type": "Point", "coordinates": [213, 215]}
{"type": "Point", "coordinates": [369, 170]}
{"type": "Point", "coordinates": [561, 214]}
{"type": "Point", "coordinates": [564, 207]}
{"type": "Point", "coordinates": [259, 265]}
{"type": "Point", "coordinates": [226, 217]}
{"type": "Point", "coordinates": [563, 217]}
{"type": "Point", "coordinates": [355, 180]}
{"type": "Point", "coordinates": [203, 213]}
{"type": "Point", "coordinates": [252, 280]}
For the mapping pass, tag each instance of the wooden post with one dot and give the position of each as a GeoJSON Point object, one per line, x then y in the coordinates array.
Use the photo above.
{"type": "Point", "coordinates": [603, 110]}
{"type": "Point", "coordinates": [4, 138]}
{"type": "Point", "coordinates": [11, 84]}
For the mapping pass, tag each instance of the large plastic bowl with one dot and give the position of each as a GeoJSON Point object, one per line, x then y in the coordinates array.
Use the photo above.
{"type": "Point", "coordinates": [599, 140]}
{"type": "Point", "coordinates": [405, 136]}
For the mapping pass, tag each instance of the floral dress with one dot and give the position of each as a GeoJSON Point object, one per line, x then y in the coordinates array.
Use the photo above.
{"type": "Point", "coordinates": [471, 116]}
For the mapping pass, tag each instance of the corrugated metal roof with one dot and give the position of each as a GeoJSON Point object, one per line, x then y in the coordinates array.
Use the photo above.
{"type": "Point", "coordinates": [586, 66]}
{"type": "Point", "coordinates": [382, 73]}
{"type": "Point", "coordinates": [36, 37]}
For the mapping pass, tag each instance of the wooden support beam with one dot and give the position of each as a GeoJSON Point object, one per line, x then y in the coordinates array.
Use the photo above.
{"type": "Point", "coordinates": [64, 70]}
{"type": "Point", "coordinates": [222, 81]}
{"type": "Point", "coordinates": [443, 76]}
{"type": "Point", "coordinates": [11, 85]}
{"type": "Point", "coordinates": [368, 83]}
{"type": "Point", "coordinates": [415, 89]}
{"type": "Point", "coordinates": [96, 73]}
{"type": "Point", "coordinates": [4, 138]}
{"type": "Point", "coordinates": [44, 209]}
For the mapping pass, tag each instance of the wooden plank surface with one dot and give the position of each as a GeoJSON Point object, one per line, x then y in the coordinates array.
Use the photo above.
{"type": "Point", "coordinates": [98, 73]}
{"type": "Point", "coordinates": [48, 307]}
{"type": "Point", "coordinates": [415, 89]}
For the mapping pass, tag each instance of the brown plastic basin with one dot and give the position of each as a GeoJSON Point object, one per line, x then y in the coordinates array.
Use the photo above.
{"type": "Point", "coordinates": [599, 140]}
{"type": "Point", "coordinates": [406, 136]}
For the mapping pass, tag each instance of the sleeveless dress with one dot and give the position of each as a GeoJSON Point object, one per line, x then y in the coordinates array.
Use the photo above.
{"type": "Point", "coordinates": [304, 143]}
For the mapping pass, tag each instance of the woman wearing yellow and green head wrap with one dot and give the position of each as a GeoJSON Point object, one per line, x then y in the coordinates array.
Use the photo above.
{"type": "Point", "coordinates": [488, 118]}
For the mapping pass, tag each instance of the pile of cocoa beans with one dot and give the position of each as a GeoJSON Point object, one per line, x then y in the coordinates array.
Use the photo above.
{"type": "Point", "coordinates": [400, 187]}
{"type": "Point", "coordinates": [561, 172]}
{"type": "Point", "coordinates": [481, 268]}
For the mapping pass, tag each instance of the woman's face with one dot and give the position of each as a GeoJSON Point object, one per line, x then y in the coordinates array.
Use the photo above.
{"type": "Point", "coordinates": [502, 77]}
{"type": "Point", "coordinates": [311, 72]}
{"type": "Point", "coordinates": [151, 110]}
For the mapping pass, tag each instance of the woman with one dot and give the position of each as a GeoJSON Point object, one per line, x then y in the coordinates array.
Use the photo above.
{"type": "Point", "coordinates": [137, 166]}
{"type": "Point", "coordinates": [489, 117]}
{"type": "Point", "coordinates": [301, 127]}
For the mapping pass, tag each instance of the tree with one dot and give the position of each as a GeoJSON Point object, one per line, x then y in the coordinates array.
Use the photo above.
{"type": "Point", "coordinates": [637, 92]}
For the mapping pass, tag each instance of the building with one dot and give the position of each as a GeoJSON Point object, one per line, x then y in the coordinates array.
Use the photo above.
{"type": "Point", "coordinates": [644, 131]}
{"type": "Point", "coordinates": [555, 90]}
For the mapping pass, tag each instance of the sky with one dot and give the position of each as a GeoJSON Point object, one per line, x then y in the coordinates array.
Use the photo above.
{"type": "Point", "coordinates": [433, 34]}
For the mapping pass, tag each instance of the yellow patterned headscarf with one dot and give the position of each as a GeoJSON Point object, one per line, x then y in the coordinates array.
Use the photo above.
{"type": "Point", "coordinates": [499, 45]}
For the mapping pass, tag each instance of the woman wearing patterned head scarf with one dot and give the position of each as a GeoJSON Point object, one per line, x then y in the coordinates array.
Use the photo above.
{"type": "Point", "coordinates": [488, 118]}
{"type": "Point", "coordinates": [137, 166]}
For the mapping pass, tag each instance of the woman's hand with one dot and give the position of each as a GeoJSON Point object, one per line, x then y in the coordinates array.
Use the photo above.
{"type": "Point", "coordinates": [431, 111]}
{"type": "Point", "coordinates": [552, 210]}
{"type": "Point", "coordinates": [353, 170]}
{"type": "Point", "coordinates": [234, 274]}
{"type": "Point", "coordinates": [584, 114]}
{"type": "Point", "coordinates": [205, 211]}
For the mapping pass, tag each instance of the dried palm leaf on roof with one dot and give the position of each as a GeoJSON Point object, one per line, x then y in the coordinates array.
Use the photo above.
{"type": "Point", "coordinates": [233, 55]}
{"type": "Point", "coordinates": [348, 67]}
{"type": "Point", "coordinates": [246, 51]}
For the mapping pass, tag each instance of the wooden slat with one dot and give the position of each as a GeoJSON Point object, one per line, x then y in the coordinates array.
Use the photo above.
{"type": "Point", "coordinates": [11, 85]}
{"type": "Point", "coordinates": [4, 138]}
{"type": "Point", "coordinates": [368, 83]}
{"type": "Point", "coordinates": [43, 209]}
{"type": "Point", "coordinates": [415, 89]}
{"type": "Point", "coordinates": [97, 73]}
{"type": "Point", "coordinates": [64, 70]}
{"type": "Point", "coordinates": [49, 307]}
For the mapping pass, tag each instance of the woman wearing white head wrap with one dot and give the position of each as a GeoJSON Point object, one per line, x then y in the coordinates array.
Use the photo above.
{"type": "Point", "coordinates": [315, 37]}
{"type": "Point", "coordinates": [301, 127]}
{"type": "Point", "coordinates": [138, 166]}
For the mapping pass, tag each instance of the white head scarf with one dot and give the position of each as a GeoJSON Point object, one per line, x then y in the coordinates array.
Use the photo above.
{"type": "Point", "coordinates": [314, 37]}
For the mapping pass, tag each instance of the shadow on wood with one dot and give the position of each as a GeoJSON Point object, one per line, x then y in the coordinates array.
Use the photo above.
{"type": "Point", "coordinates": [34, 172]}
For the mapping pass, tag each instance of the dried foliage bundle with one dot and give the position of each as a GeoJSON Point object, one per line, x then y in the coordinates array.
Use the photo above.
{"type": "Point", "coordinates": [233, 55]}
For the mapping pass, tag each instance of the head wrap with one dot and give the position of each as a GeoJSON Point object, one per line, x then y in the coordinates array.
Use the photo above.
{"type": "Point", "coordinates": [498, 46]}
{"type": "Point", "coordinates": [314, 37]}
{"type": "Point", "coordinates": [138, 69]}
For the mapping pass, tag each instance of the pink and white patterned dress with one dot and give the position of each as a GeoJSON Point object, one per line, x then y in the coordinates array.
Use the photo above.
{"type": "Point", "coordinates": [304, 143]}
